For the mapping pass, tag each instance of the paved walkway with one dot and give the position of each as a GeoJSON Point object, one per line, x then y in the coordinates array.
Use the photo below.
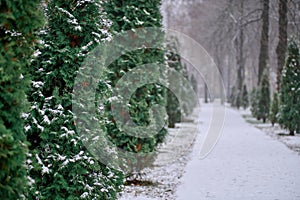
{"type": "Point", "coordinates": [245, 164]}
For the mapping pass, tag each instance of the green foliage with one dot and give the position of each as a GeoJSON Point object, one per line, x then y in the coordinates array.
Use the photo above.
{"type": "Point", "coordinates": [18, 23]}
{"type": "Point", "coordinates": [189, 103]}
{"type": "Point", "coordinates": [59, 164]}
{"type": "Point", "coordinates": [264, 97]}
{"type": "Point", "coordinates": [173, 109]}
{"type": "Point", "coordinates": [274, 109]}
{"type": "Point", "coordinates": [238, 99]}
{"type": "Point", "coordinates": [254, 103]}
{"type": "Point", "coordinates": [127, 15]}
{"type": "Point", "coordinates": [289, 116]}
{"type": "Point", "coordinates": [245, 98]}
{"type": "Point", "coordinates": [174, 61]}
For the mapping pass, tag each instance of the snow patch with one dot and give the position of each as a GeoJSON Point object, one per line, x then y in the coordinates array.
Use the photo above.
{"type": "Point", "coordinates": [146, 12]}
{"type": "Point", "coordinates": [65, 12]}
{"type": "Point", "coordinates": [84, 48]}
{"type": "Point", "coordinates": [27, 128]}
{"type": "Point", "coordinates": [46, 120]}
{"type": "Point", "coordinates": [31, 181]}
{"type": "Point", "coordinates": [89, 188]}
{"type": "Point", "coordinates": [126, 19]}
{"type": "Point", "coordinates": [40, 127]}
{"type": "Point", "coordinates": [84, 195]}
{"type": "Point", "coordinates": [78, 28]}
{"type": "Point", "coordinates": [139, 22]}
{"type": "Point", "coordinates": [37, 84]}
{"type": "Point", "coordinates": [60, 157]}
{"type": "Point", "coordinates": [25, 115]}
{"type": "Point", "coordinates": [45, 170]}
{"type": "Point", "coordinates": [37, 53]}
{"type": "Point", "coordinates": [67, 133]}
{"type": "Point", "coordinates": [38, 159]}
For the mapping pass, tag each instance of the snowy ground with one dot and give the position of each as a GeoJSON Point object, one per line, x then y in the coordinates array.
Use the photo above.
{"type": "Point", "coordinates": [292, 142]}
{"type": "Point", "coordinates": [245, 164]}
{"type": "Point", "coordinates": [169, 165]}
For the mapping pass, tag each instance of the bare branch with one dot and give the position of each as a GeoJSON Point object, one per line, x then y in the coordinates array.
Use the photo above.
{"type": "Point", "coordinates": [250, 13]}
{"type": "Point", "coordinates": [251, 21]}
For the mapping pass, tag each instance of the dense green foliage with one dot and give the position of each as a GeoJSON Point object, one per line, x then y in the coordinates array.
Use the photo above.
{"type": "Point", "coordinates": [176, 111]}
{"type": "Point", "coordinates": [59, 164]}
{"type": "Point", "coordinates": [18, 23]}
{"type": "Point", "coordinates": [127, 15]}
{"type": "Point", "coordinates": [289, 111]}
{"type": "Point", "coordinates": [274, 109]}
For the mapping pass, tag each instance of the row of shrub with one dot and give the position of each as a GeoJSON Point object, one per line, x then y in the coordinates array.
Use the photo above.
{"type": "Point", "coordinates": [284, 107]}
{"type": "Point", "coordinates": [42, 155]}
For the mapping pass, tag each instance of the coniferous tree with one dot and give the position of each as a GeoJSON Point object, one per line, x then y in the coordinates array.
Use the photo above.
{"type": "Point", "coordinates": [264, 97]}
{"type": "Point", "coordinates": [245, 98]}
{"type": "Point", "coordinates": [274, 109]}
{"type": "Point", "coordinates": [173, 106]}
{"type": "Point", "coordinates": [18, 23]}
{"type": "Point", "coordinates": [59, 164]}
{"type": "Point", "coordinates": [238, 99]}
{"type": "Point", "coordinates": [289, 111]}
{"type": "Point", "coordinates": [127, 15]}
{"type": "Point", "coordinates": [194, 86]}
{"type": "Point", "coordinates": [194, 83]}
{"type": "Point", "coordinates": [254, 103]}
{"type": "Point", "coordinates": [174, 110]}
{"type": "Point", "coordinates": [188, 101]}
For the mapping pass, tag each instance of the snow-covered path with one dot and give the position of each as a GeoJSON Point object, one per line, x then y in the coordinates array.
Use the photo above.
{"type": "Point", "coordinates": [245, 164]}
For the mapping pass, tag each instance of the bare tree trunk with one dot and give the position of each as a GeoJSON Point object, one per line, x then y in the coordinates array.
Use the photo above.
{"type": "Point", "coordinates": [205, 93]}
{"type": "Point", "coordinates": [240, 61]}
{"type": "Point", "coordinates": [264, 42]}
{"type": "Point", "coordinates": [282, 44]}
{"type": "Point", "coordinates": [228, 81]}
{"type": "Point", "coordinates": [222, 93]}
{"type": "Point", "coordinates": [240, 53]}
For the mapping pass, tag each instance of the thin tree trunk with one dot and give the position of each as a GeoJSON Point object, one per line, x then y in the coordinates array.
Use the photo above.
{"type": "Point", "coordinates": [240, 63]}
{"type": "Point", "coordinates": [282, 44]}
{"type": "Point", "coordinates": [205, 93]}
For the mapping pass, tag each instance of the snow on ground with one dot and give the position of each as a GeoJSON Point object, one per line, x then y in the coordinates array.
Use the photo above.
{"type": "Point", "coordinates": [292, 142]}
{"type": "Point", "coordinates": [245, 164]}
{"type": "Point", "coordinates": [169, 166]}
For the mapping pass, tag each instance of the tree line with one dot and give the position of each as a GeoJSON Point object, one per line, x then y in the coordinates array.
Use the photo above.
{"type": "Point", "coordinates": [42, 156]}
